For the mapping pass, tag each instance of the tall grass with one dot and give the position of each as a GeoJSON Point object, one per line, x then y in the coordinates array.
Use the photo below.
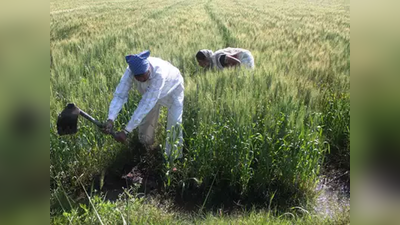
{"type": "Point", "coordinates": [132, 210]}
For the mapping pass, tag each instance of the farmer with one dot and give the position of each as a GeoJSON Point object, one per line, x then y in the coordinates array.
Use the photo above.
{"type": "Point", "coordinates": [228, 57]}
{"type": "Point", "coordinates": [160, 84]}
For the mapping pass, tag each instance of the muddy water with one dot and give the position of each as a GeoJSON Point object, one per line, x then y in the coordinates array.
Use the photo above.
{"type": "Point", "coordinates": [333, 199]}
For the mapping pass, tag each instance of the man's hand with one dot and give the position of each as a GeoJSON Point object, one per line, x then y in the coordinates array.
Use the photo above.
{"type": "Point", "coordinates": [120, 137]}
{"type": "Point", "coordinates": [108, 127]}
{"type": "Point", "coordinates": [231, 61]}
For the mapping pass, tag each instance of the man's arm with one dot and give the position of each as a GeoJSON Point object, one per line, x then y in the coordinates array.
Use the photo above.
{"type": "Point", "coordinates": [120, 95]}
{"type": "Point", "coordinates": [232, 60]}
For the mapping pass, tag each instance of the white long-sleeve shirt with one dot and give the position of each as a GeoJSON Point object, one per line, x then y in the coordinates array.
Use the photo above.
{"type": "Point", "coordinates": [164, 81]}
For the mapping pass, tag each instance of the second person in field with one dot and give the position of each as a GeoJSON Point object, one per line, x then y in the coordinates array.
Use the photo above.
{"type": "Point", "coordinates": [224, 58]}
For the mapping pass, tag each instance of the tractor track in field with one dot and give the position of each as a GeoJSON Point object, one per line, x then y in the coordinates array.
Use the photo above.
{"type": "Point", "coordinates": [157, 14]}
{"type": "Point", "coordinates": [229, 39]}
{"type": "Point", "coordinates": [251, 8]}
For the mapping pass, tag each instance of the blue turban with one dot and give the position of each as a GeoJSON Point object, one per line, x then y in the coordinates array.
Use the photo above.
{"type": "Point", "coordinates": [138, 63]}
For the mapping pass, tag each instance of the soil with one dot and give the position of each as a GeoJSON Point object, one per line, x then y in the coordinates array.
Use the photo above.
{"type": "Point", "coordinates": [144, 170]}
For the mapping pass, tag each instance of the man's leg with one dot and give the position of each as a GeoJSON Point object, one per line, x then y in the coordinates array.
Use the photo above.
{"type": "Point", "coordinates": [174, 140]}
{"type": "Point", "coordinates": [148, 126]}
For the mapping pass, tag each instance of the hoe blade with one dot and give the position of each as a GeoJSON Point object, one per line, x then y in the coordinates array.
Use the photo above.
{"type": "Point", "coordinates": [67, 122]}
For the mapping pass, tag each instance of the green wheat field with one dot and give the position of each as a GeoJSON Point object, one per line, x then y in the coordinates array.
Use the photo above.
{"type": "Point", "coordinates": [261, 138]}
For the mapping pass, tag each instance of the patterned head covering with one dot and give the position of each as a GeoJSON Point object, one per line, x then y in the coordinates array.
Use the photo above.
{"type": "Point", "coordinates": [138, 63]}
{"type": "Point", "coordinates": [207, 53]}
